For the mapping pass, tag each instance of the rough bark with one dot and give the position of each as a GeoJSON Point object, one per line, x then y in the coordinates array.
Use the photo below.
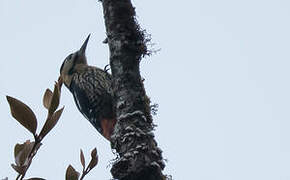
{"type": "Point", "coordinates": [133, 139]}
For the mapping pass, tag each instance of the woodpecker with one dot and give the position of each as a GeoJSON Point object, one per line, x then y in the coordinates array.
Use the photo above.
{"type": "Point", "coordinates": [92, 90]}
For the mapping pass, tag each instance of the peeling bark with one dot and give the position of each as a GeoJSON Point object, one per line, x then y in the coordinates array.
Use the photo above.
{"type": "Point", "coordinates": [133, 139]}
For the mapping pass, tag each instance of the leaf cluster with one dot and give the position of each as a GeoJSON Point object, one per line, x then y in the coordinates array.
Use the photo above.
{"type": "Point", "coordinates": [72, 174]}
{"type": "Point", "coordinates": [24, 153]}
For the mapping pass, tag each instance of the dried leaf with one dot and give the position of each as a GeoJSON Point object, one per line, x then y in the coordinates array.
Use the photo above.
{"type": "Point", "coordinates": [17, 158]}
{"type": "Point", "coordinates": [17, 150]}
{"type": "Point", "coordinates": [50, 123]}
{"type": "Point", "coordinates": [71, 173]}
{"type": "Point", "coordinates": [47, 98]}
{"type": "Point", "coordinates": [35, 178]}
{"type": "Point", "coordinates": [19, 169]}
{"type": "Point", "coordinates": [24, 154]}
{"type": "Point", "coordinates": [55, 99]}
{"type": "Point", "coordinates": [60, 82]}
{"type": "Point", "coordinates": [23, 114]}
{"type": "Point", "coordinates": [94, 153]}
{"type": "Point", "coordinates": [94, 160]}
{"type": "Point", "coordinates": [20, 153]}
{"type": "Point", "coordinates": [82, 157]}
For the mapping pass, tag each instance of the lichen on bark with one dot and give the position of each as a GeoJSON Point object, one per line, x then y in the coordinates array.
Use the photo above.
{"type": "Point", "coordinates": [133, 139]}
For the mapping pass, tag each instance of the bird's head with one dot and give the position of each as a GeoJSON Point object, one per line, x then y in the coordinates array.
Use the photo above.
{"type": "Point", "coordinates": [71, 62]}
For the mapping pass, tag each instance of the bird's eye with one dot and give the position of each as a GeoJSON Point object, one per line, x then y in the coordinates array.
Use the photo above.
{"type": "Point", "coordinates": [70, 56]}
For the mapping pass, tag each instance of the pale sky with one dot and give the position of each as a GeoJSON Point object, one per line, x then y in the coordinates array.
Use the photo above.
{"type": "Point", "coordinates": [221, 81]}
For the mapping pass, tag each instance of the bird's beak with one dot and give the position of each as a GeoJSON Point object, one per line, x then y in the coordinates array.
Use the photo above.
{"type": "Point", "coordinates": [84, 46]}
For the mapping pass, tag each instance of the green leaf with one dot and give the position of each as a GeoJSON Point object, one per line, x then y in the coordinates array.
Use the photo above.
{"type": "Point", "coordinates": [23, 114]}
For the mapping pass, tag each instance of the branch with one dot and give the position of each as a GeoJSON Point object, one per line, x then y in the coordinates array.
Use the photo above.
{"type": "Point", "coordinates": [139, 156]}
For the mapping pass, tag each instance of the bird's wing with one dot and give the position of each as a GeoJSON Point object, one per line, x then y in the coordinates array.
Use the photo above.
{"type": "Point", "coordinates": [92, 91]}
{"type": "Point", "coordinates": [85, 103]}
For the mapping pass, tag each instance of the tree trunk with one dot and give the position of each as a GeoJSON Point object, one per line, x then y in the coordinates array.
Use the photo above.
{"type": "Point", "coordinates": [133, 139]}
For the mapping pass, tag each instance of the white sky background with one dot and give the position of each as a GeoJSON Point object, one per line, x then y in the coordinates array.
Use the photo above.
{"type": "Point", "coordinates": [221, 81]}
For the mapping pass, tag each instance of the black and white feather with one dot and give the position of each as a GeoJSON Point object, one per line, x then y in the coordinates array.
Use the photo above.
{"type": "Point", "coordinates": [92, 92]}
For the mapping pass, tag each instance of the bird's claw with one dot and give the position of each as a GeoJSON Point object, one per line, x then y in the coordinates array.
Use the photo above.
{"type": "Point", "coordinates": [106, 69]}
